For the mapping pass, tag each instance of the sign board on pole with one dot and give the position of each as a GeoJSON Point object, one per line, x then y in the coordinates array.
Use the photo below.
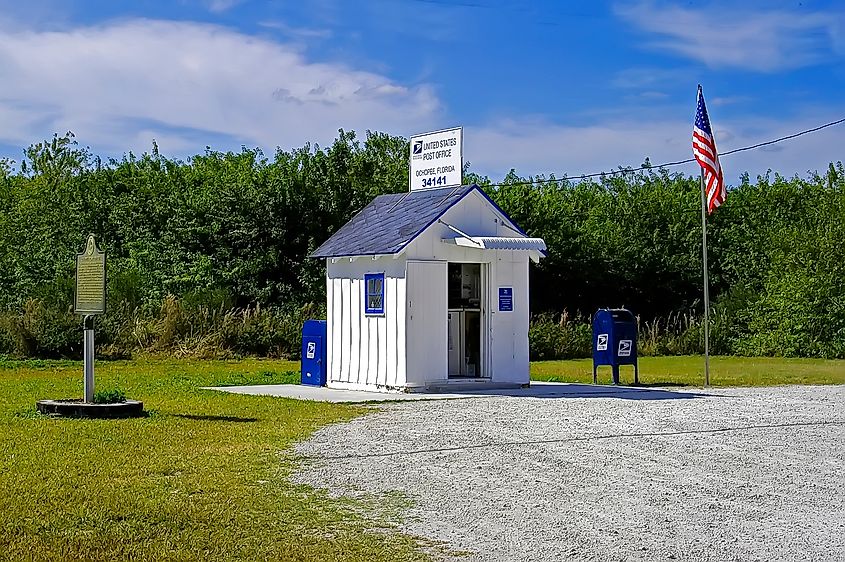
{"type": "Point", "coordinates": [90, 280]}
{"type": "Point", "coordinates": [437, 159]}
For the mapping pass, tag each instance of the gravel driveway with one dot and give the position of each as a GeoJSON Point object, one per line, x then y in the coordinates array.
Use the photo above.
{"type": "Point", "coordinates": [729, 474]}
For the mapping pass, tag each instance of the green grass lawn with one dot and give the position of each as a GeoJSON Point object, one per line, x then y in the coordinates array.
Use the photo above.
{"type": "Point", "coordinates": [689, 371]}
{"type": "Point", "coordinates": [203, 477]}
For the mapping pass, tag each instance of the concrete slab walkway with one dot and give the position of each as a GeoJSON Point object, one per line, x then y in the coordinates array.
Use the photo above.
{"type": "Point", "coordinates": [536, 390]}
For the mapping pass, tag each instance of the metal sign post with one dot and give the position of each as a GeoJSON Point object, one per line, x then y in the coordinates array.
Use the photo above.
{"type": "Point", "coordinates": [88, 357]}
{"type": "Point", "coordinates": [89, 301]}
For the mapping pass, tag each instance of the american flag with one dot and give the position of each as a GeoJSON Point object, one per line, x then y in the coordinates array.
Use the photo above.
{"type": "Point", "coordinates": [704, 150]}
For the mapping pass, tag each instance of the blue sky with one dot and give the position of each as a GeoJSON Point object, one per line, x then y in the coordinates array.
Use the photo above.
{"type": "Point", "coordinates": [543, 87]}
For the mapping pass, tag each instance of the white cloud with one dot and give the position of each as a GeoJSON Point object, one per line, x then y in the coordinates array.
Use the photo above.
{"type": "Point", "coordinates": [219, 6]}
{"type": "Point", "coordinates": [301, 33]}
{"type": "Point", "coordinates": [728, 100]}
{"type": "Point", "coordinates": [650, 77]}
{"type": "Point", "coordinates": [736, 36]}
{"type": "Point", "coordinates": [649, 96]}
{"type": "Point", "coordinates": [187, 83]}
{"type": "Point", "coordinates": [537, 147]}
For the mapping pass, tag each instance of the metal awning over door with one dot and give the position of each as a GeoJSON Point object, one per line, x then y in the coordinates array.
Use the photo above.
{"type": "Point", "coordinates": [536, 246]}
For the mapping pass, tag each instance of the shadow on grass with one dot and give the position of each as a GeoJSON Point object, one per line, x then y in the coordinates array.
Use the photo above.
{"type": "Point", "coordinates": [196, 417]}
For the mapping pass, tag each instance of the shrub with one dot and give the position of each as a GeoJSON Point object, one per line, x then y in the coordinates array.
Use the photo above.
{"type": "Point", "coordinates": [174, 327]}
{"type": "Point", "coordinates": [13, 340]}
{"type": "Point", "coordinates": [51, 331]}
{"type": "Point", "coordinates": [559, 337]}
{"type": "Point", "coordinates": [677, 334]}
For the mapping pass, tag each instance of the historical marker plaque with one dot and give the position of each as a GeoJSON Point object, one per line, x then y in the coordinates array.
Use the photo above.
{"type": "Point", "coordinates": [90, 280]}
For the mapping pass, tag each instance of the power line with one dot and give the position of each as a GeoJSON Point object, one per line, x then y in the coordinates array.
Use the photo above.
{"type": "Point", "coordinates": [669, 164]}
{"type": "Point", "coordinates": [787, 137]}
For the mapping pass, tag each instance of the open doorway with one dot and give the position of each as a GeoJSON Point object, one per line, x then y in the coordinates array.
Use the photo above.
{"type": "Point", "coordinates": [465, 320]}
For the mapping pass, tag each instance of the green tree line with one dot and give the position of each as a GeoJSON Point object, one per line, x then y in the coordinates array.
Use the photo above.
{"type": "Point", "coordinates": [211, 252]}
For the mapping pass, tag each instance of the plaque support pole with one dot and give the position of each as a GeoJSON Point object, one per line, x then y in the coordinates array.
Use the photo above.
{"type": "Point", "coordinates": [88, 357]}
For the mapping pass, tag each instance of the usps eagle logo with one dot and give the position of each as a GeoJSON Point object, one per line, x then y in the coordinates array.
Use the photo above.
{"type": "Point", "coordinates": [601, 342]}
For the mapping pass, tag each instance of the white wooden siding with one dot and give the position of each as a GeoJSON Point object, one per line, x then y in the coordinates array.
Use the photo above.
{"type": "Point", "coordinates": [333, 327]}
{"type": "Point", "coordinates": [502, 330]}
{"type": "Point", "coordinates": [521, 317]}
{"type": "Point", "coordinates": [426, 323]}
{"type": "Point", "coordinates": [391, 335]}
{"type": "Point", "coordinates": [401, 331]}
{"type": "Point", "coordinates": [510, 329]}
{"type": "Point", "coordinates": [356, 338]}
{"type": "Point", "coordinates": [364, 350]}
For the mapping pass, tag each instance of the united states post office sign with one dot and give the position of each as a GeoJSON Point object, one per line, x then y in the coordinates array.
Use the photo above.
{"type": "Point", "coordinates": [437, 159]}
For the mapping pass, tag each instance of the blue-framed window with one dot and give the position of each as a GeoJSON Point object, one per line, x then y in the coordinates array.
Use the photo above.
{"type": "Point", "coordinates": [374, 293]}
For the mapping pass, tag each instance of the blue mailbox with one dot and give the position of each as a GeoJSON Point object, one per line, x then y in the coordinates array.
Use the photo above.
{"type": "Point", "coordinates": [615, 341]}
{"type": "Point", "coordinates": [313, 363]}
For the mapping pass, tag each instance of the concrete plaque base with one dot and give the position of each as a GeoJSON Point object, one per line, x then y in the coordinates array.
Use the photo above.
{"type": "Point", "coordinates": [79, 409]}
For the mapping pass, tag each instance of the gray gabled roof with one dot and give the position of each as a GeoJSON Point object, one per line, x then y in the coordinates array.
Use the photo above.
{"type": "Point", "coordinates": [390, 222]}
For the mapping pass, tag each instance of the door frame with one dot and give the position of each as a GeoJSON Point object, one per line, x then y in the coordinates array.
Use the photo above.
{"type": "Point", "coordinates": [486, 323]}
{"type": "Point", "coordinates": [485, 353]}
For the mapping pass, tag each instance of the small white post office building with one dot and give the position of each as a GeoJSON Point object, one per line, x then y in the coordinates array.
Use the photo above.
{"type": "Point", "coordinates": [426, 289]}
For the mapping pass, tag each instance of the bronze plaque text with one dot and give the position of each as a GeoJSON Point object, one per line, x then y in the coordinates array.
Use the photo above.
{"type": "Point", "coordinates": [90, 280]}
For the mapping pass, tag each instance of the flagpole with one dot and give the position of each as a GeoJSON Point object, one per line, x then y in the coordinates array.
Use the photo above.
{"type": "Point", "coordinates": [706, 283]}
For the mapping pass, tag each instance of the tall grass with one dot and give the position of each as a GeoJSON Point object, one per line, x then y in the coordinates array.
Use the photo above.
{"type": "Point", "coordinates": [196, 328]}
{"type": "Point", "coordinates": [177, 328]}
{"type": "Point", "coordinates": [565, 337]}
{"type": "Point", "coordinates": [559, 337]}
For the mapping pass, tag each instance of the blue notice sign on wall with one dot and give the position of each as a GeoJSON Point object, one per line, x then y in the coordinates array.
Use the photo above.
{"type": "Point", "coordinates": [505, 299]}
